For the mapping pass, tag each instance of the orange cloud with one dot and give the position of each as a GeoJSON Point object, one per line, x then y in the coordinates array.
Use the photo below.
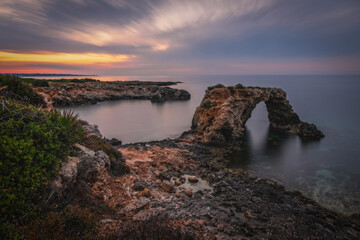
{"type": "Point", "coordinates": [64, 58]}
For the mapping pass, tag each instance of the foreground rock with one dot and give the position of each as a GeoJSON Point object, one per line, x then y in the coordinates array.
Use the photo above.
{"type": "Point", "coordinates": [67, 94]}
{"type": "Point", "coordinates": [221, 205]}
{"type": "Point", "coordinates": [220, 119]}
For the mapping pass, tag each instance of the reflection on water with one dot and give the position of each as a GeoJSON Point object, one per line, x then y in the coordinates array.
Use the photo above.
{"type": "Point", "coordinates": [327, 171]}
{"type": "Point", "coordinates": [271, 154]}
{"type": "Point", "coordinates": [137, 120]}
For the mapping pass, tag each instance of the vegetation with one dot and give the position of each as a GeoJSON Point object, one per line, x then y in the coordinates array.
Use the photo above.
{"type": "Point", "coordinates": [73, 222]}
{"type": "Point", "coordinates": [62, 80]}
{"type": "Point", "coordinates": [239, 86]}
{"type": "Point", "coordinates": [40, 83]}
{"type": "Point", "coordinates": [33, 143]}
{"type": "Point", "coordinates": [231, 89]}
{"type": "Point", "coordinates": [14, 88]}
{"type": "Point", "coordinates": [216, 86]}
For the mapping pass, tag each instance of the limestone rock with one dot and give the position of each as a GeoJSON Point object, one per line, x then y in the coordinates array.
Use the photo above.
{"type": "Point", "coordinates": [88, 166]}
{"type": "Point", "coordinates": [220, 119]}
{"type": "Point", "coordinates": [92, 129]}
{"type": "Point", "coordinates": [67, 94]}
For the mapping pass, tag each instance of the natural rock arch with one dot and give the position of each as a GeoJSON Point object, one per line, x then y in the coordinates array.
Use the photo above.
{"type": "Point", "coordinates": [220, 119]}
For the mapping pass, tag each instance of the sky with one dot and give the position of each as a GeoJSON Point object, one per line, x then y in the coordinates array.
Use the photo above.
{"type": "Point", "coordinates": [180, 37]}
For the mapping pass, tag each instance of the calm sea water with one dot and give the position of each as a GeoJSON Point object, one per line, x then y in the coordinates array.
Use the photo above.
{"type": "Point", "coordinates": [328, 170]}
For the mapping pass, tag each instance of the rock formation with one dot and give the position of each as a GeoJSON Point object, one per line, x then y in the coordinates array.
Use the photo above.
{"type": "Point", "coordinates": [67, 94]}
{"type": "Point", "coordinates": [220, 119]}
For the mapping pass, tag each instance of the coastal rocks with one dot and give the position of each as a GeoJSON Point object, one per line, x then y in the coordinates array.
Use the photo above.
{"type": "Point", "coordinates": [114, 142]}
{"type": "Point", "coordinates": [222, 205]}
{"type": "Point", "coordinates": [220, 119]}
{"type": "Point", "coordinates": [68, 94]}
{"type": "Point", "coordinates": [88, 165]}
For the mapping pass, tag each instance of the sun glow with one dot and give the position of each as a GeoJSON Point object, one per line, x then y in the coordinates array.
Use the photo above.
{"type": "Point", "coordinates": [64, 58]}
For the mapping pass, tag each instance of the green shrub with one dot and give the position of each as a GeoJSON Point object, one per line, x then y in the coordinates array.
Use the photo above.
{"type": "Point", "coordinates": [216, 86]}
{"type": "Point", "coordinates": [239, 86]}
{"type": "Point", "coordinates": [72, 222]}
{"type": "Point", "coordinates": [231, 89]}
{"type": "Point", "coordinates": [17, 89]}
{"type": "Point", "coordinates": [33, 143]}
{"type": "Point", "coordinates": [40, 83]}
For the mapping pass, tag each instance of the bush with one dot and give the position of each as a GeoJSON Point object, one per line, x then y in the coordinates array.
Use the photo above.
{"type": "Point", "coordinates": [72, 222]}
{"type": "Point", "coordinates": [33, 143]}
{"type": "Point", "coordinates": [40, 83]}
{"type": "Point", "coordinates": [17, 89]}
{"type": "Point", "coordinates": [239, 86]}
{"type": "Point", "coordinates": [231, 89]}
{"type": "Point", "coordinates": [216, 86]}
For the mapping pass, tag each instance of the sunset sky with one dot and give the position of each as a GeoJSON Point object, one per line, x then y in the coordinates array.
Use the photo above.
{"type": "Point", "coordinates": [158, 37]}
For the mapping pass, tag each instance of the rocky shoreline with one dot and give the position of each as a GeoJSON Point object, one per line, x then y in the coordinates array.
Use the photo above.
{"type": "Point", "coordinates": [72, 93]}
{"type": "Point", "coordinates": [183, 185]}
{"type": "Point", "coordinates": [189, 187]}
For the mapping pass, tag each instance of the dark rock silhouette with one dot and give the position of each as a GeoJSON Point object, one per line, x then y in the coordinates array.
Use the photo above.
{"type": "Point", "coordinates": [220, 119]}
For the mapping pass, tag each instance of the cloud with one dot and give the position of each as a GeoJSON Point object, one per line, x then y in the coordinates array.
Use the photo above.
{"type": "Point", "coordinates": [153, 29]}
{"type": "Point", "coordinates": [24, 11]}
{"type": "Point", "coordinates": [69, 58]}
{"type": "Point", "coordinates": [173, 35]}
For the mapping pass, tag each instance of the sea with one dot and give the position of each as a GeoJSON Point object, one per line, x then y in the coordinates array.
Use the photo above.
{"type": "Point", "coordinates": [327, 171]}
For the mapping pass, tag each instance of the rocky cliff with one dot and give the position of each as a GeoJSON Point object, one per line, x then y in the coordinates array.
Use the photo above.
{"type": "Point", "coordinates": [220, 119]}
{"type": "Point", "coordinates": [67, 94]}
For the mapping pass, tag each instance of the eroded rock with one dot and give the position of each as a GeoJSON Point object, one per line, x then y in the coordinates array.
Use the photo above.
{"type": "Point", "coordinates": [220, 119]}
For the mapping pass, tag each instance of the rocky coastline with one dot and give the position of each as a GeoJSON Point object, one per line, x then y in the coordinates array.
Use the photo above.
{"type": "Point", "coordinates": [183, 184]}
{"type": "Point", "coordinates": [72, 93]}
{"type": "Point", "coordinates": [188, 186]}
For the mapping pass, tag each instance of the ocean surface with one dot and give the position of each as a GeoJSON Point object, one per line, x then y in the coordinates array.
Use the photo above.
{"type": "Point", "coordinates": [327, 171]}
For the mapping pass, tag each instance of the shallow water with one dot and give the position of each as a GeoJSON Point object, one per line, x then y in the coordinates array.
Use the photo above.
{"type": "Point", "coordinates": [327, 170]}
